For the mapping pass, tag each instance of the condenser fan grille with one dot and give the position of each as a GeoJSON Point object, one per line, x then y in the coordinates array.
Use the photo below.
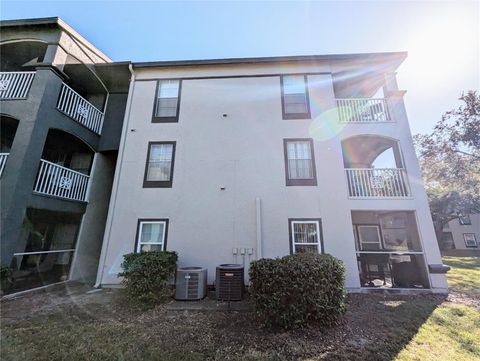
{"type": "Point", "coordinates": [191, 283]}
{"type": "Point", "coordinates": [192, 286]}
{"type": "Point", "coordinates": [230, 282]}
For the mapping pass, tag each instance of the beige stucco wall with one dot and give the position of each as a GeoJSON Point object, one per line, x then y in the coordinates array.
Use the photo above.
{"type": "Point", "coordinates": [243, 152]}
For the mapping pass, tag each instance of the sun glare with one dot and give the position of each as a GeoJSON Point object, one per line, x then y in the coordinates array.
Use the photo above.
{"type": "Point", "coordinates": [441, 49]}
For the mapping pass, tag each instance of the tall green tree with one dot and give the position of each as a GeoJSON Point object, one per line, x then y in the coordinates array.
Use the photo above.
{"type": "Point", "coordinates": [450, 162]}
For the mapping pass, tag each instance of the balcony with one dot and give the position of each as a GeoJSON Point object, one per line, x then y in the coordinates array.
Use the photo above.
{"type": "Point", "coordinates": [79, 109]}
{"type": "Point", "coordinates": [377, 182]}
{"type": "Point", "coordinates": [363, 110]}
{"type": "Point", "coordinates": [58, 181]}
{"type": "Point", "coordinates": [3, 161]}
{"type": "Point", "coordinates": [14, 85]}
{"type": "Point", "coordinates": [374, 167]}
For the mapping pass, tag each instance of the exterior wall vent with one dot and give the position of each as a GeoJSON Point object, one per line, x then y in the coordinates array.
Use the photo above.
{"type": "Point", "coordinates": [191, 283]}
{"type": "Point", "coordinates": [229, 282]}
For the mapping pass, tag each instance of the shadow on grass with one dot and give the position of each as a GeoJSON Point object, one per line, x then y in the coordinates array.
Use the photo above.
{"type": "Point", "coordinates": [384, 325]}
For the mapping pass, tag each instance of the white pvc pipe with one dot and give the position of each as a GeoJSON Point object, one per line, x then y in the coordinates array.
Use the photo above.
{"type": "Point", "coordinates": [258, 213]}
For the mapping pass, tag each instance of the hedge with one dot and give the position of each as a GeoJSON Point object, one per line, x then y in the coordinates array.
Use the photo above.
{"type": "Point", "coordinates": [146, 276]}
{"type": "Point", "coordinates": [299, 289]}
{"type": "Point", "coordinates": [5, 278]}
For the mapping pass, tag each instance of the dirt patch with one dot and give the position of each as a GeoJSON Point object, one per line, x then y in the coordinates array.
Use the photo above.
{"type": "Point", "coordinates": [78, 324]}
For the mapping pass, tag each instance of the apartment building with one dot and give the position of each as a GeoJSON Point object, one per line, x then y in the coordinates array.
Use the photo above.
{"type": "Point", "coordinates": [222, 161]}
{"type": "Point", "coordinates": [62, 104]}
{"type": "Point", "coordinates": [231, 160]}
{"type": "Point", "coordinates": [463, 233]}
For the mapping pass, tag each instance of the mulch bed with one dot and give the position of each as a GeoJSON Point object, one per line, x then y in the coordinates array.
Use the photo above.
{"type": "Point", "coordinates": [375, 327]}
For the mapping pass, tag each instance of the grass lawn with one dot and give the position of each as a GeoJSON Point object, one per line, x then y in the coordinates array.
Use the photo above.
{"type": "Point", "coordinates": [74, 325]}
{"type": "Point", "coordinates": [452, 332]}
{"type": "Point", "coordinates": [464, 277]}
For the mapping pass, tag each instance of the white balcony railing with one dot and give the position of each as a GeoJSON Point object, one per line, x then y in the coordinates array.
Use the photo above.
{"type": "Point", "coordinates": [377, 182]}
{"type": "Point", "coordinates": [79, 109]}
{"type": "Point", "coordinates": [58, 181]}
{"type": "Point", "coordinates": [363, 110]}
{"type": "Point", "coordinates": [15, 84]}
{"type": "Point", "coordinates": [3, 161]}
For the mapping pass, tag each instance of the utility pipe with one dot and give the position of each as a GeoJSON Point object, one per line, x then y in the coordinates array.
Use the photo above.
{"type": "Point", "coordinates": [258, 213]}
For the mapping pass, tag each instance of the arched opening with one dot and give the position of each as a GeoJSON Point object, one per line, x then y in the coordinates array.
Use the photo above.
{"type": "Point", "coordinates": [371, 151]}
{"type": "Point", "coordinates": [374, 167]}
{"type": "Point", "coordinates": [8, 128]}
{"type": "Point", "coordinates": [64, 168]}
{"type": "Point", "coordinates": [67, 150]}
{"type": "Point", "coordinates": [84, 81]}
{"type": "Point", "coordinates": [22, 55]}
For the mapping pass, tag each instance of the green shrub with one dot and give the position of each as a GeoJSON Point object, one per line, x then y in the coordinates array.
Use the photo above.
{"type": "Point", "coordinates": [146, 276]}
{"type": "Point", "coordinates": [5, 278]}
{"type": "Point", "coordinates": [295, 290]}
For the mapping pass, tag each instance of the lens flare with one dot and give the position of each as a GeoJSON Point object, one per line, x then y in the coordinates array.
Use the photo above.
{"type": "Point", "coordinates": [326, 125]}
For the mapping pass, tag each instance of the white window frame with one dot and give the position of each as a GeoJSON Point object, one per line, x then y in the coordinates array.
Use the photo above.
{"type": "Point", "coordinates": [317, 226]}
{"type": "Point", "coordinates": [167, 118]}
{"type": "Point", "coordinates": [361, 242]}
{"type": "Point", "coordinates": [295, 115]}
{"type": "Point", "coordinates": [473, 238]}
{"type": "Point", "coordinates": [297, 159]}
{"type": "Point", "coordinates": [139, 236]}
{"type": "Point", "coordinates": [298, 181]}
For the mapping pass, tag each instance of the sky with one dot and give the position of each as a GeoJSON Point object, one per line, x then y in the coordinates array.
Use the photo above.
{"type": "Point", "coordinates": [441, 37]}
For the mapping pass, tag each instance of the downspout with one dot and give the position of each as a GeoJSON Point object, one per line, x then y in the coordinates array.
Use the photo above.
{"type": "Point", "coordinates": [116, 181]}
{"type": "Point", "coordinates": [258, 213]}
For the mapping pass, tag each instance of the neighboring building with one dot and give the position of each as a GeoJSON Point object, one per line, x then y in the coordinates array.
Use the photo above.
{"type": "Point", "coordinates": [232, 160]}
{"type": "Point", "coordinates": [462, 233]}
{"type": "Point", "coordinates": [62, 108]}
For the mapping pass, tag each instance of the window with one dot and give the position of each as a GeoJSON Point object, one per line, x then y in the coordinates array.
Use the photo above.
{"type": "Point", "coordinates": [299, 162]}
{"type": "Point", "coordinates": [369, 238]}
{"type": "Point", "coordinates": [151, 235]}
{"type": "Point", "coordinates": [465, 220]}
{"type": "Point", "coordinates": [167, 101]}
{"type": "Point", "coordinates": [295, 104]}
{"type": "Point", "coordinates": [470, 240]}
{"type": "Point", "coordinates": [159, 167]}
{"type": "Point", "coordinates": [305, 236]}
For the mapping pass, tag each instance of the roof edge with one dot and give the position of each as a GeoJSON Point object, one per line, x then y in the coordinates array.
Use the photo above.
{"type": "Point", "coordinates": [400, 56]}
{"type": "Point", "coordinates": [56, 21]}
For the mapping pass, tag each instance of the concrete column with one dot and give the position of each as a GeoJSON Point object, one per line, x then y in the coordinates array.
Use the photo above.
{"type": "Point", "coordinates": [89, 241]}
{"type": "Point", "coordinates": [19, 175]}
{"type": "Point", "coordinates": [424, 218]}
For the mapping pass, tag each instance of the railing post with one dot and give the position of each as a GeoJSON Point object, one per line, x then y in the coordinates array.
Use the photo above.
{"type": "Point", "coordinates": [15, 85]}
{"type": "Point", "coordinates": [58, 181]}
{"type": "Point", "coordinates": [377, 182]}
{"type": "Point", "coordinates": [79, 109]}
{"type": "Point", "coordinates": [3, 161]}
{"type": "Point", "coordinates": [363, 110]}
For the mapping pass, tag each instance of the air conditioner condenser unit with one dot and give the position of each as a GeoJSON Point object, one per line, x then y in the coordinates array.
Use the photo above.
{"type": "Point", "coordinates": [191, 283]}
